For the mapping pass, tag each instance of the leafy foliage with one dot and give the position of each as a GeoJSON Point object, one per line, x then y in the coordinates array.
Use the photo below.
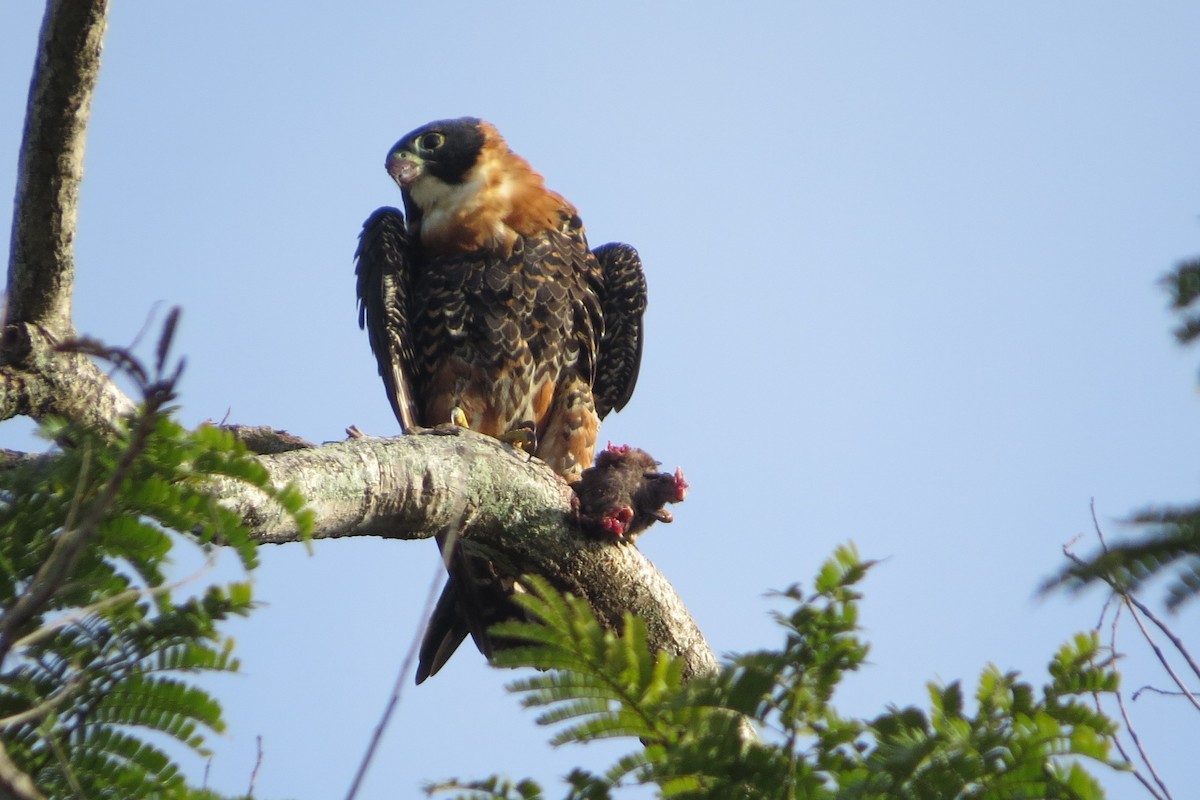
{"type": "Point", "coordinates": [765, 725]}
{"type": "Point", "coordinates": [94, 642]}
{"type": "Point", "coordinates": [1184, 287]}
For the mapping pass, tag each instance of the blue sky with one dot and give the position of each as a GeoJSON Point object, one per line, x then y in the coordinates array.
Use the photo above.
{"type": "Point", "coordinates": [902, 262]}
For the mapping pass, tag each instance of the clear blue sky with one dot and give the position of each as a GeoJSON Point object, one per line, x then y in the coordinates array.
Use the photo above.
{"type": "Point", "coordinates": [902, 263]}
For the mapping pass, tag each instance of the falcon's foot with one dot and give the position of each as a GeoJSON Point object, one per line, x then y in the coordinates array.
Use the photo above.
{"type": "Point", "coordinates": [459, 417]}
{"type": "Point", "coordinates": [522, 437]}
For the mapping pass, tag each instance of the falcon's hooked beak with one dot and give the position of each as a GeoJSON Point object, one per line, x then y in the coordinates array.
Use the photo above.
{"type": "Point", "coordinates": [404, 167]}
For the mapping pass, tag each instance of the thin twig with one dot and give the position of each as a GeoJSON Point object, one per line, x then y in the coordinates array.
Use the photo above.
{"type": "Point", "coordinates": [65, 765]}
{"type": "Point", "coordinates": [1162, 626]}
{"type": "Point", "coordinates": [60, 695]}
{"type": "Point", "coordinates": [1137, 773]}
{"type": "Point", "coordinates": [1096, 526]}
{"type": "Point", "coordinates": [1129, 727]}
{"type": "Point", "coordinates": [15, 783]}
{"type": "Point", "coordinates": [397, 687]}
{"type": "Point", "coordinates": [257, 763]}
{"type": "Point", "coordinates": [1155, 690]}
{"type": "Point", "coordinates": [1158, 653]}
{"type": "Point", "coordinates": [129, 594]}
{"type": "Point", "coordinates": [1134, 605]}
{"type": "Point", "coordinates": [1166, 793]}
{"type": "Point", "coordinates": [411, 656]}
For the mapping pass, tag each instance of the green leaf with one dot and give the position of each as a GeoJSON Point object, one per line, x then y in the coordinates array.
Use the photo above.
{"type": "Point", "coordinates": [698, 740]}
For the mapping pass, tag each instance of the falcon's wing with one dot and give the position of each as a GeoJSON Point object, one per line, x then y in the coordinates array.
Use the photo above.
{"type": "Point", "coordinates": [474, 599]}
{"type": "Point", "coordinates": [384, 271]}
{"type": "Point", "coordinates": [444, 632]}
{"type": "Point", "coordinates": [624, 302]}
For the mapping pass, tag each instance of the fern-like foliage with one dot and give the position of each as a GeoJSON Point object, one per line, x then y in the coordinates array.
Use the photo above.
{"type": "Point", "coordinates": [1169, 543]}
{"type": "Point", "coordinates": [95, 645]}
{"type": "Point", "coordinates": [1169, 538]}
{"type": "Point", "coordinates": [765, 725]}
{"type": "Point", "coordinates": [1184, 287]}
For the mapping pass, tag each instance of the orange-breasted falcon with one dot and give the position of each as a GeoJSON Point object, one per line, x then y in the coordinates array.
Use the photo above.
{"type": "Point", "coordinates": [484, 306]}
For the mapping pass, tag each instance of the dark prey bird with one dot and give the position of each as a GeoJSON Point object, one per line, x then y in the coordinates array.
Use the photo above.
{"type": "Point", "coordinates": [624, 493]}
{"type": "Point", "coordinates": [485, 307]}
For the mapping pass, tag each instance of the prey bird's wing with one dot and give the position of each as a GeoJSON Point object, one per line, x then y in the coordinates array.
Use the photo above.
{"type": "Point", "coordinates": [384, 268]}
{"type": "Point", "coordinates": [623, 303]}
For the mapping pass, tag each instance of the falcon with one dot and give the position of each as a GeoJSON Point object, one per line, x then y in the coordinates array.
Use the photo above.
{"type": "Point", "coordinates": [485, 307]}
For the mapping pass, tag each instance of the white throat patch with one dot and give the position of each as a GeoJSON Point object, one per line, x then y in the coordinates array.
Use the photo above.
{"type": "Point", "coordinates": [444, 205]}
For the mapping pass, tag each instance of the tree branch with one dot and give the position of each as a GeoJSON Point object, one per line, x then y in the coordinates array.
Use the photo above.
{"type": "Point", "coordinates": [501, 502]}
{"type": "Point", "coordinates": [35, 379]}
{"type": "Point", "coordinates": [38, 380]}
{"type": "Point", "coordinates": [263, 439]}
{"type": "Point", "coordinates": [41, 266]}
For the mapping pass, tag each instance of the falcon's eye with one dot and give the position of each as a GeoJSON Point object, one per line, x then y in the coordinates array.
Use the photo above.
{"type": "Point", "coordinates": [431, 141]}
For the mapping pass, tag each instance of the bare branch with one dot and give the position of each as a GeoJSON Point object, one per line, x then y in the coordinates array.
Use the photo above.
{"type": "Point", "coordinates": [506, 505]}
{"type": "Point", "coordinates": [1160, 655]}
{"type": "Point", "coordinates": [406, 670]}
{"type": "Point", "coordinates": [257, 764]}
{"type": "Point", "coordinates": [1132, 730]}
{"type": "Point", "coordinates": [1155, 690]}
{"type": "Point", "coordinates": [12, 459]}
{"type": "Point", "coordinates": [1180, 646]}
{"type": "Point", "coordinates": [265, 440]}
{"type": "Point", "coordinates": [35, 379]}
{"type": "Point", "coordinates": [41, 266]}
{"type": "Point", "coordinates": [1119, 599]}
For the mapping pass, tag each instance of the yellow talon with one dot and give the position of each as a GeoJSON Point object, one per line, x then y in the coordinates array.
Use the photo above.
{"type": "Point", "coordinates": [459, 417]}
{"type": "Point", "coordinates": [523, 437]}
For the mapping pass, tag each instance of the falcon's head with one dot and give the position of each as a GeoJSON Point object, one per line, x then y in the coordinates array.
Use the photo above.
{"type": "Point", "coordinates": [441, 152]}
{"type": "Point", "coordinates": [465, 189]}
